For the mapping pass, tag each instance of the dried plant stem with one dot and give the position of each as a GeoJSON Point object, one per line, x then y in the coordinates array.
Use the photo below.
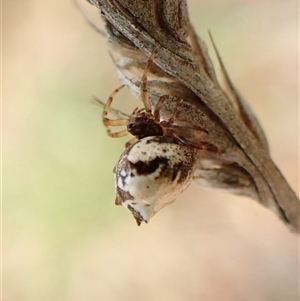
{"type": "Point", "coordinates": [184, 70]}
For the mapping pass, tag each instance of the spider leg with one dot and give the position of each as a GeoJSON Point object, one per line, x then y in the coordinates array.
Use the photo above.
{"type": "Point", "coordinates": [176, 112]}
{"type": "Point", "coordinates": [131, 141]}
{"type": "Point", "coordinates": [144, 90]}
{"type": "Point", "coordinates": [117, 134]}
{"type": "Point", "coordinates": [158, 107]}
{"type": "Point", "coordinates": [108, 105]}
{"type": "Point", "coordinates": [117, 122]}
{"type": "Point", "coordinates": [201, 145]}
{"type": "Point", "coordinates": [116, 112]}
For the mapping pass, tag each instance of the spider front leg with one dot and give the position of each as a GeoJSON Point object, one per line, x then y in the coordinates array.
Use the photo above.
{"type": "Point", "coordinates": [158, 107]}
{"type": "Point", "coordinates": [110, 122]}
{"type": "Point", "coordinates": [144, 90]}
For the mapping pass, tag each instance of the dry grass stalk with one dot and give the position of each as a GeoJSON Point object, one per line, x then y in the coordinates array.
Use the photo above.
{"type": "Point", "coordinates": [183, 70]}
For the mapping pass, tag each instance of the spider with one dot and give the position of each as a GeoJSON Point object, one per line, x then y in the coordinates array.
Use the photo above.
{"type": "Point", "coordinates": [156, 165]}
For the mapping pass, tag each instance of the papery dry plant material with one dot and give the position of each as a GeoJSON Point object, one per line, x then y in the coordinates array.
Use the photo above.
{"type": "Point", "coordinates": [220, 117]}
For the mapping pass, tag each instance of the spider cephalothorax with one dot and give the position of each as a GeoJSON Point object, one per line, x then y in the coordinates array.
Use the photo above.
{"type": "Point", "coordinates": [143, 124]}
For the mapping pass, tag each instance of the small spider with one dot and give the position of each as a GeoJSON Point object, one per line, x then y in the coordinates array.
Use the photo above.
{"type": "Point", "coordinates": [156, 165]}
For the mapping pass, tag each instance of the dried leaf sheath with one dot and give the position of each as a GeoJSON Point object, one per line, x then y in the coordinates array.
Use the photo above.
{"type": "Point", "coordinates": [135, 29]}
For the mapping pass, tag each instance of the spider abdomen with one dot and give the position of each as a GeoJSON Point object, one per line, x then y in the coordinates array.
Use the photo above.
{"type": "Point", "coordinates": [151, 173]}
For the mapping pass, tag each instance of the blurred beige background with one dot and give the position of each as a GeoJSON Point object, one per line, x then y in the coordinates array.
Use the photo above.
{"type": "Point", "coordinates": [63, 237]}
